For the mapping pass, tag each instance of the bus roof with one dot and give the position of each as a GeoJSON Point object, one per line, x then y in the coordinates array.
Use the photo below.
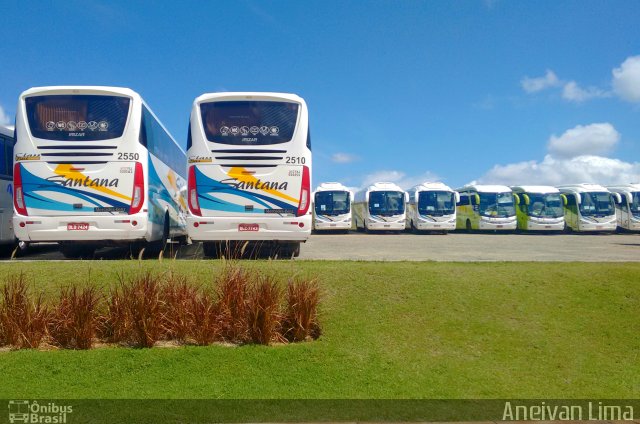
{"type": "Point", "coordinates": [248, 95]}
{"type": "Point", "coordinates": [485, 188]}
{"type": "Point", "coordinates": [431, 186]}
{"type": "Point", "coordinates": [383, 186]}
{"type": "Point", "coordinates": [625, 187]}
{"type": "Point", "coordinates": [332, 186]}
{"type": "Point", "coordinates": [82, 89]}
{"type": "Point", "coordinates": [536, 189]}
{"type": "Point", "coordinates": [582, 188]}
{"type": "Point", "coordinates": [7, 131]}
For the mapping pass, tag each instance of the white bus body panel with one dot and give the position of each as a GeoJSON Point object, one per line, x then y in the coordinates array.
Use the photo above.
{"type": "Point", "coordinates": [625, 218]}
{"type": "Point", "coordinates": [428, 222]}
{"type": "Point", "coordinates": [334, 222]}
{"type": "Point", "coordinates": [365, 220]}
{"type": "Point", "coordinates": [540, 223]}
{"type": "Point", "coordinates": [235, 197]}
{"type": "Point", "coordinates": [580, 223]}
{"type": "Point", "coordinates": [481, 222]}
{"type": "Point", "coordinates": [57, 195]}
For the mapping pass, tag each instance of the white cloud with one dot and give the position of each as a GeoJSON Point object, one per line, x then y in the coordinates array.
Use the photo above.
{"type": "Point", "coordinates": [574, 157]}
{"type": "Point", "coordinates": [343, 158]}
{"type": "Point", "coordinates": [400, 178]}
{"type": "Point", "coordinates": [4, 118]}
{"type": "Point", "coordinates": [574, 93]}
{"type": "Point", "coordinates": [533, 85]}
{"type": "Point", "coordinates": [555, 171]}
{"type": "Point", "coordinates": [626, 79]}
{"type": "Point", "coordinates": [594, 139]}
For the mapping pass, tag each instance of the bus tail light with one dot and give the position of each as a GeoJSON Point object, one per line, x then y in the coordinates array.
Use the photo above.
{"type": "Point", "coordinates": [137, 198]}
{"type": "Point", "coordinates": [18, 193]}
{"type": "Point", "coordinates": [192, 191]}
{"type": "Point", "coordinates": [305, 192]}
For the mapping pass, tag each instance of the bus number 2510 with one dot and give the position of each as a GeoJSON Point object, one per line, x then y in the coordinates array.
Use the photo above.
{"type": "Point", "coordinates": [296, 160]}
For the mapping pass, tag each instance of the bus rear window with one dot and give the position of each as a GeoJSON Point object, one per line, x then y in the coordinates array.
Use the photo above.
{"type": "Point", "coordinates": [77, 117]}
{"type": "Point", "coordinates": [249, 123]}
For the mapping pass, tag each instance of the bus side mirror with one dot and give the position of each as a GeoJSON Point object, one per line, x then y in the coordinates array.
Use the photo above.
{"type": "Point", "coordinates": [629, 198]}
{"type": "Point", "coordinates": [564, 199]}
{"type": "Point", "coordinates": [366, 197]}
{"type": "Point", "coordinates": [526, 199]}
{"type": "Point", "coordinates": [516, 198]}
{"type": "Point", "coordinates": [578, 198]}
{"type": "Point", "coordinates": [617, 198]}
{"type": "Point", "coordinates": [475, 199]}
{"type": "Point", "coordinates": [457, 197]}
{"type": "Point", "coordinates": [406, 197]}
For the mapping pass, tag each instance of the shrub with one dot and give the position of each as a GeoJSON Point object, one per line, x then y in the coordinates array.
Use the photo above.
{"type": "Point", "coordinates": [73, 319]}
{"type": "Point", "coordinates": [177, 296]}
{"type": "Point", "coordinates": [23, 320]}
{"type": "Point", "coordinates": [301, 317]}
{"type": "Point", "coordinates": [232, 304]}
{"type": "Point", "coordinates": [263, 311]}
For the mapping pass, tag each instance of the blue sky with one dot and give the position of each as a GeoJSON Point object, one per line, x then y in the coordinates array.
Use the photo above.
{"type": "Point", "coordinates": [485, 90]}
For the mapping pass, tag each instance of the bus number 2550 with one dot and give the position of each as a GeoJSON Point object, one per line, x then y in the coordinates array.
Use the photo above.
{"type": "Point", "coordinates": [296, 160]}
{"type": "Point", "coordinates": [128, 156]}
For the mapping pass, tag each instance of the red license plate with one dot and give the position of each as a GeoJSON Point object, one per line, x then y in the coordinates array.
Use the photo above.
{"type": "Point", "coordinates": [77, 226]}
{"type": "Point", "coordinates": [248, 227]}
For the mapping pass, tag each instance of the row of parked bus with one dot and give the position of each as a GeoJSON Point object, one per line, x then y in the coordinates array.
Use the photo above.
{"type": "Point", "coordinates": [433, 206]}
{"type": "Point", "coordinates": [94, 166]}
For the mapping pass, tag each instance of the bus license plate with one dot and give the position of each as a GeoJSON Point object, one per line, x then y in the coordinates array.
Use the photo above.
{"type": "Point", "coordinates": [248, 227]}
{"type": "Point", "coordinates": [436, 226]}
{"type": "Point", "coordinates": [77, 226]}
{"type": "Point", "coordinates": [547, 226]}
{"type": "Point", "coordinates": [332, 225]}
{"type": "Point", "coordinates": [599, 227]}
{"type": "Point", "coordinates": [387, 226]}
{"type": "Point", "coordinates": [499, 226]}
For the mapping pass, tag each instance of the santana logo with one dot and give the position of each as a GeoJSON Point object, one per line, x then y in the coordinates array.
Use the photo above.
{"type": "Point", "coordinates": [255, 185]}
{"type": "Point", "coordinates": [199, 159]}
{"type": "Point", "coordinates": [26, 156]}
{"type": "Point", "coordinates": [83, 182]}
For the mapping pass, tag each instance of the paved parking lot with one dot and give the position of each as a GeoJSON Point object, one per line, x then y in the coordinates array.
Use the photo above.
{"type": "Point", "coordinates": [434, 247]}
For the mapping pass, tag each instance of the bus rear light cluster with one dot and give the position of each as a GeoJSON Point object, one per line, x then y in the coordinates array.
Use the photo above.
{"type": "Point", "coordinates": [137, 197]}
{"type": "Point", "coordinates": [305, 192]}
{"type": "Point", "coordinates": [194, 205]}
{"type": "Point", "coordinates": [18, 193]}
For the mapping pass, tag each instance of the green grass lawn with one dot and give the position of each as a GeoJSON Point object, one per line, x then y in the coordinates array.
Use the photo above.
{"type": "Point", "coordinates": [390, 330]}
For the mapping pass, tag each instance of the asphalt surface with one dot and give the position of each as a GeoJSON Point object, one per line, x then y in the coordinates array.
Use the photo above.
{"type": "Point", "coordinates": [420, 247]}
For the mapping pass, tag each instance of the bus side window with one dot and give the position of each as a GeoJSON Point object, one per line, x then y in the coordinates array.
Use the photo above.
{"type": "Point", "coordinates": [464, 200]}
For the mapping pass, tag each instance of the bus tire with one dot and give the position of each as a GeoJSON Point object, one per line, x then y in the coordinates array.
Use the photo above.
{"type": "Point", "coordinates": [77, 251]}
{"type": "Point", "coordinates": [211, 250]}
{"type": "Point", "coordinates": [468, 225]}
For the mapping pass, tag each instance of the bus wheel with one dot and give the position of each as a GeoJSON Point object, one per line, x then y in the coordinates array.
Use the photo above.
{"type": "Point", "coordinates": [288, 250]}
{"type": "Point", "coordinates": [211, 250]}
{"type": "Point", "coordinates": [468, 226]}
{"type": "Point", "coordinates": [77, 251]}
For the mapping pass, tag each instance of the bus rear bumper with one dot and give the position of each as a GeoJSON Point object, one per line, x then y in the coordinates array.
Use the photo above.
{"type": "Point", "coordinates": [87, 228]}
{"type": "Point", "coordinates": [233, 228]}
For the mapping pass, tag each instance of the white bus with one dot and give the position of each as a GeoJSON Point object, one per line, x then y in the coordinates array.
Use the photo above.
{"type": "Point", "coordinates": [249, 171]}
{"type": "Point", "coordinates": [432, 207]}
{"type": "Point", "coordinates": [332, 207]}
{"type": "Point", "coordinates": [94, 167]}
{"type": "Point", "coordinates": [589, 207]}
{"type": "Point", "coordinates": [380, 207]}
{"type": "Point", "coordinates": [486, 207]}
{"type": "Point", "coordinates": [539, 208]}
{"type": "Point", "coordinates": [628, 208]}
{"type": "Point", "coordinates": [7, 237]}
